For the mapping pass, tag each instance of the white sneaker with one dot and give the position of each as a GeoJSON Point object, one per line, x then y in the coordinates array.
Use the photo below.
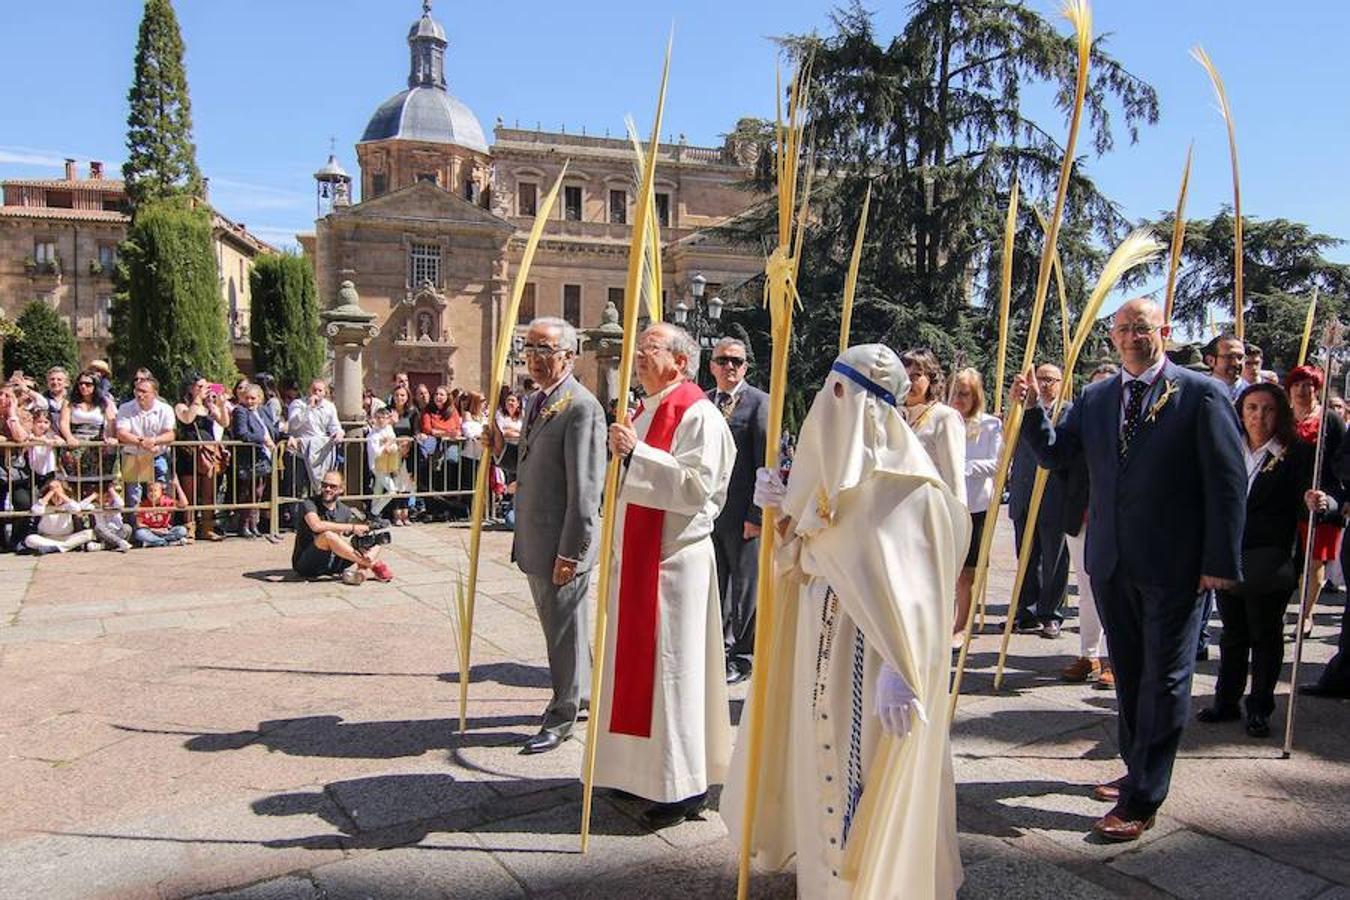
{"type": "Point", "coordinates": [93, 547]}
{"type": "Point", "coordinates": [353, 576]}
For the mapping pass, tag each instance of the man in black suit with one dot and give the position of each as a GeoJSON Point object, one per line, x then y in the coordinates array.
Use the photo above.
{"type": "Point", "coordinates": [1166, 508]}
{"type": "Point", "coordinates": [736, 531]}
{"type": "Point", "coordinates": [1040, 606]}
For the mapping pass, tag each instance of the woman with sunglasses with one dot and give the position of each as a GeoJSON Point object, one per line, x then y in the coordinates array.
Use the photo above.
{"type": "Point", "coordinates": [87, 420]}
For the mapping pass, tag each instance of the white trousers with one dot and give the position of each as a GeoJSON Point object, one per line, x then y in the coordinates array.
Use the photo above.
{"type": "Point", "coordinates": [1091, 638]}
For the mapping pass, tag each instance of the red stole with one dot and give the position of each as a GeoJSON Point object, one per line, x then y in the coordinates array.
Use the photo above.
{"type": "Point", "coordinates": [639, 580]}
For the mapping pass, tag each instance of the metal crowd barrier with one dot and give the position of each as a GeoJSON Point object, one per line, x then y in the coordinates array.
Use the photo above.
{"type": "Point", "coordinates": [432, 468]}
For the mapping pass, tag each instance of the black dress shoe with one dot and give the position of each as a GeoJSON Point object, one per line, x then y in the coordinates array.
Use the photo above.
{"type": "Point", "coordinates": [1050, 630]}
{"type": "Point", "coordinates": [1032, 627]}
{"type": "Point", "coordinates": [542, 742]}
{"type": "Point", "coordinates": [1212, 714]}
{"type": "Point", "coordinates": [1317, 690]}
{"type": "Point", "coordinates": [1258, 726]}
{"type": "Point", "coordinates": [663, 815]}
{"type": "Point", "coordinates": [735, 674]}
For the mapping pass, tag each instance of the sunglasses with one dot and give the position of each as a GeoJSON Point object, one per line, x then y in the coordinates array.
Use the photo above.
{"type": "Point", "coordinates": [734, 361]}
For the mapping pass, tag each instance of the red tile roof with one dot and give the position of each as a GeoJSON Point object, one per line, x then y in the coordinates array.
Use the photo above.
{"type": "Point", "coordinates": [105, 185]}
{"type": "Point", "coordinates": [73, 215]}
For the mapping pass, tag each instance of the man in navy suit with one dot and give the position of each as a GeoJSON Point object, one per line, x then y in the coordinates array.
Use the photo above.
{"type": "Point", "coordinates": [1166, 509]}
{"type": "Point", "coordinates": [736, 531]}
{"type": "Point", "coordinates": [1040, 606]}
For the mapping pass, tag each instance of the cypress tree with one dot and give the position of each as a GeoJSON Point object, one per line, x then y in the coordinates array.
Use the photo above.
{"type": "Point", "coordinates": [43, 340]}
{"type": "Point", "coordinates": [284, 318]}
{"type": "Point", "coordinates": [161, 158]}
{"type": "Point", "coordinates": [169, 315]}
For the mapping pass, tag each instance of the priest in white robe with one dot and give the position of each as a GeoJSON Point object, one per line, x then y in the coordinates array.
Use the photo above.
{"type": "Point", "coordinates": [856, 778]}
{"type": "Point", "coordinates": [665, 729]}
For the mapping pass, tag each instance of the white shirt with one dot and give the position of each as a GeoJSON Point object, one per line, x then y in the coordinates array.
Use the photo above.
{"type": "Point", "coordinates": [984, 439]}
{"type": "Point", "coordinates": [144, 423]}
{"type": "Point", "coordinates": [1148, 376]}
{"type": "Point", "coordinates": [313, 421]}
{"type": "Point", "coordinates": [1257, 458]}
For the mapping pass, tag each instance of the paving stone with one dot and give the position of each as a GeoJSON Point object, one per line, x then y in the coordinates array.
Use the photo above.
{"type": "Point", "coordinates": [385, 801]}
{"type": "Point", "coordinates": [1188, 864]}
{"type": "Point", "coordinates": [288, 888]}
{"type": "Point", "coordinates": [1025, 878]}
{"type": "Point", "coordinates": [444, 867]}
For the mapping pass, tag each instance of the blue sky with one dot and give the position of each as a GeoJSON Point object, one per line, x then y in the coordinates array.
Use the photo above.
{"type": "Point", "coordinates": [273, 81]}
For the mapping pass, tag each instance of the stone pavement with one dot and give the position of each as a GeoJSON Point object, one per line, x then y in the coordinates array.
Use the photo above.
{"type": "Point", "coordinates": [187, 722]}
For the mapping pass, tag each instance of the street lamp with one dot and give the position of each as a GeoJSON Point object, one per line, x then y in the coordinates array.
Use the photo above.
{"type": "Point", "coordinates": [699, 316]}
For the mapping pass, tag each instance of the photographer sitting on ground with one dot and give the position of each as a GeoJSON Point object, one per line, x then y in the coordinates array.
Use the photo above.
{"type": "Point", "coordinates": [322, 539]}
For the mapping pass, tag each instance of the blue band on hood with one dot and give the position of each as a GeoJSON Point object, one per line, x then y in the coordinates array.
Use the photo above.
{"type": "Point", "coordinates": [863, 382]}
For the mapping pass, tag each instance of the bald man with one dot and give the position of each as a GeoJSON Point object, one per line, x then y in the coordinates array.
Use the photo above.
{"type": "Point", "coordinates": [1166, 509]}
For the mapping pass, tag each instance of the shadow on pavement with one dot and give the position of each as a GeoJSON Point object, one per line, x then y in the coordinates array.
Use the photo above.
{"type": "Point", "coordinates": [330, 736]}
{"type": "Point", "coordinates": [274, 576]}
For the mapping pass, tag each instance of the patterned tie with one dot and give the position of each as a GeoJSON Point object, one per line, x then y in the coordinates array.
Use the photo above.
{"type": "Point", "coordinates": [1134, 408]}
{"type": "Point", "coordinates": [724, 402]}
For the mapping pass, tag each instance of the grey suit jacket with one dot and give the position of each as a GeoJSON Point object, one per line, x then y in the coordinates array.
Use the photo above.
{"type": "Point", "coordinates": [560, 477]}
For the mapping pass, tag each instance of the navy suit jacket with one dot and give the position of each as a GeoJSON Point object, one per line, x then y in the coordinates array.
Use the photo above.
{"type": "Point", "coordinates": [749, 424]}
{"type": "Point", "coordinates": [1175, 507]}
{"type": "Point", "coordinates": [1021, 479]}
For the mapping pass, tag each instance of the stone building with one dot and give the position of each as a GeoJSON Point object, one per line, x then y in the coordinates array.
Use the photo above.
{"type": "Point", "coordinates": [58, 244]}
{"type": "Point", "coordinates": [443, 218]}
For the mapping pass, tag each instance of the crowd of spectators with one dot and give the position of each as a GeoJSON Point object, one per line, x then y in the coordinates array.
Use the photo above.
{"type": "Point", "coordinates": [80, 470]}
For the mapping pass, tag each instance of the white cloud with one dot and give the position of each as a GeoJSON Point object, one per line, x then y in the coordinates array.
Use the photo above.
{"type": "Point", "coordinates": [243, 196]}
{"type": "Point", "coordinates": [36, 156]}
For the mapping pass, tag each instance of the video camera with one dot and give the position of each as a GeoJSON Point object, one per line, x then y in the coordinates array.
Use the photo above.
{"type": "Point", "coordinates": [373, 538]}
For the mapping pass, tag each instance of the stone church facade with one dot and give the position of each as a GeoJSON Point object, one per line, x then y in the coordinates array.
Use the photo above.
{"type": "Point", "coordinates": [435, 241]}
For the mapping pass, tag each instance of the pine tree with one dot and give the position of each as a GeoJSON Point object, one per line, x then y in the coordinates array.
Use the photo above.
{"type": "Point", "coordinates": [161, 158]}
{"type": "Point", "coordinates": [44, 340]}
{"type": "Point", "coordinates": [169, 315]}
{"type": "Point", "coordinates": [284, 318]}
{"type": "Point", "coordinates": [934, 119]}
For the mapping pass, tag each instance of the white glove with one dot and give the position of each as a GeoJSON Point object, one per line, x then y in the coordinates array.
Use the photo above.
{"type": "Point", "coordinates": [769, 488]}
{"type": "Point", "coordinates": [896, 705]}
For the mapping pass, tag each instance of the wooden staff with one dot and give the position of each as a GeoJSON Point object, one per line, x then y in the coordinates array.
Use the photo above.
{"type": "Point", "coordinates": [1178, 240]}
{"type": "Point", "coordinates": [780, 293]}
{"type": "Point", "coordinates": [1307, 332]}
{"type": "Point", "coordinates": [1080, 14]}
{"type": "Point", "coordinates": [636, 257]}
{"type": "Point", "coordinates": [1330, 338]}
{"type": "Point", "coordinates": [1138, 248]}
{"type": "Point", "coordinates": [851, 279]}
{"type": "Point", "coordinates": [500, 359]}
{"type": "Point", "coordinates": [1202, 57]}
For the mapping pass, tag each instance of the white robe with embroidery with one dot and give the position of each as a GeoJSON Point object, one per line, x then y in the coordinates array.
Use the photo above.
{"type": "Point", "coordinates": [690, 742]}
{"type": "Point", "coordinates": [889, 559]}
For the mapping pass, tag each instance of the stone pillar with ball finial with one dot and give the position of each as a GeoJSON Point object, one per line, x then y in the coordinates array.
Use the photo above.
{"type": "Point", "coordinates": [348, 329]}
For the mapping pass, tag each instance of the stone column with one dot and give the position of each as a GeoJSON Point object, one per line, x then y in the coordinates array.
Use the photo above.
{"type": "Point", "coordinates": [607, 343]}
{"type": "Point", "coordinates": [348, 329]}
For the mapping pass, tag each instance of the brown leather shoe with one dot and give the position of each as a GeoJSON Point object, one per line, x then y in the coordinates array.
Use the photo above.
{"type": "Point", "coordinates": [1106, 679]}
{"type": "Point", "coordinates": [1108, 792]}
{"type": "Point", "coordinates": [1119, 827]}
{"type": "Point", "coordinates": [1081, 669]}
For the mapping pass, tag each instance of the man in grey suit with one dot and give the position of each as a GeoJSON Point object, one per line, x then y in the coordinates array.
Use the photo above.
{"type": "Point", "coordinates": [736, 531]}
{"type": "Point", "coordinates": [560, 477]}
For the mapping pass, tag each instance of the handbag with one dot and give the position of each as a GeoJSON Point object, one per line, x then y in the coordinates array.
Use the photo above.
{"type": "Point", "coordinates": [212, 459]}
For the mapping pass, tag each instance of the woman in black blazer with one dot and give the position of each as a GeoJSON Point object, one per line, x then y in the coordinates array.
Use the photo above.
{"type": "Point", "coordinates": [1279, 474]}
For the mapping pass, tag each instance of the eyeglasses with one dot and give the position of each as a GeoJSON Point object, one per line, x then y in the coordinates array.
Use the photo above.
{"type": "Point", "coordinates": [734, 362]}
{"type": "Point", "coordinates": [543, 350]}
{"type": "Point", "coordinates": [1136, 330]}
{"type": "Point", "coordinates": [652, 349]}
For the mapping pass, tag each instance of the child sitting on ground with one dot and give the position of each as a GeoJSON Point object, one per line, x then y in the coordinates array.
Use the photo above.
{"type": "Point", "coordinates": [154, 519]}
{"type": "Point", "coordinates": [56, 526]}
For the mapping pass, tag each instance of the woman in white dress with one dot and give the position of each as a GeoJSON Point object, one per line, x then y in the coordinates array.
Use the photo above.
{"type": "Point", "coordinates": [939, 428]}
{"type": "Point", "coordinates": [984, 439]}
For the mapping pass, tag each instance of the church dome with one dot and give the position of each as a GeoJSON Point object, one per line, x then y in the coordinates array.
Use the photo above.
{"type": "Point", "coordinates": [426, 114]}
{"type": "Point", "coordinates": [427, 111]}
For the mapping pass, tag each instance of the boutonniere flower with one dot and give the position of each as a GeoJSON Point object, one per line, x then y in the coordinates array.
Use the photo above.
{"type": "Point", "coordinates": [556, 407]}
{"type": "Point", "coordinates": [1273, 461]}
{"type": "Point", "coordinates": [1169, 388]}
